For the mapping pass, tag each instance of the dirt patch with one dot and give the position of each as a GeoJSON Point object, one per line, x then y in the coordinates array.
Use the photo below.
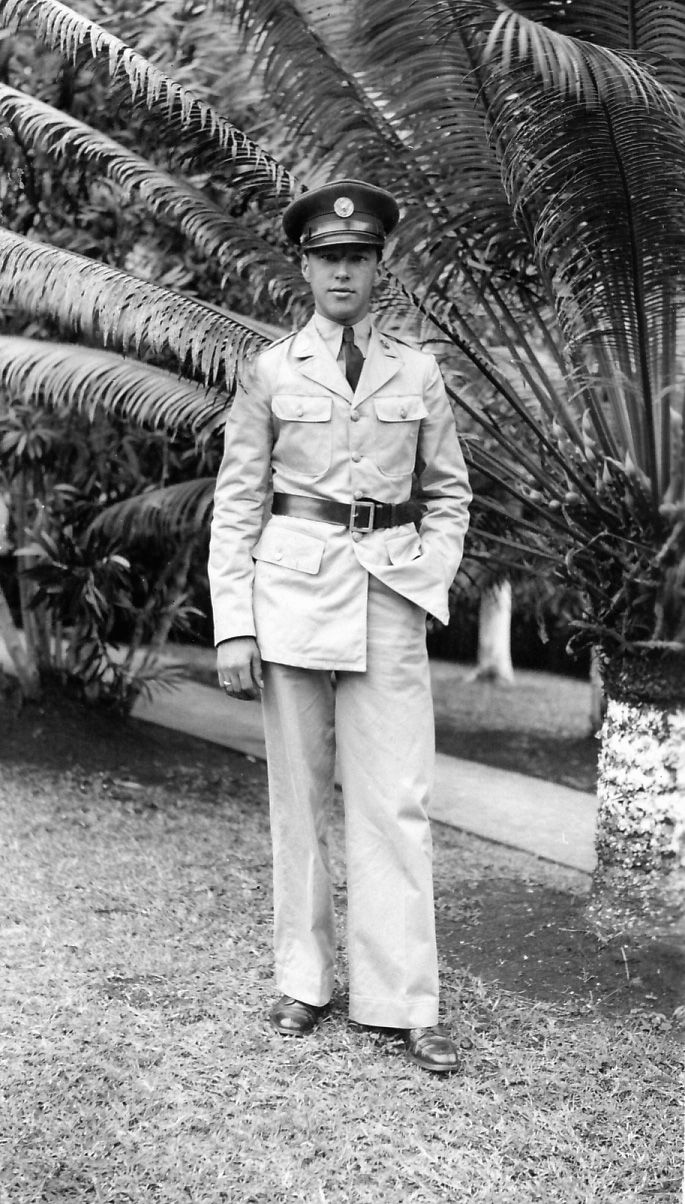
{"type": "Point", "coordinates": [62, 735]}
{"type": "Point", "coordinates": [535, 940]}
{"type": "Point", "coordinates": [569, 761]}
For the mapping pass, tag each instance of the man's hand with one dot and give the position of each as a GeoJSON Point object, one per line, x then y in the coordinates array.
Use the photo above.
{"type": "Point", "coordinates": [239, 667]}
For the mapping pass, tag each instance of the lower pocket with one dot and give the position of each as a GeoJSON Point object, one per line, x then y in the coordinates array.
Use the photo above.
{"type": "Point", "coordinates": [290, 549]}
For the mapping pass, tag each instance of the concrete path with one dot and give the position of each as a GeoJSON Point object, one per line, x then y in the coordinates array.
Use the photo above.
{"type": "Point", "coordinates": [540, 817]}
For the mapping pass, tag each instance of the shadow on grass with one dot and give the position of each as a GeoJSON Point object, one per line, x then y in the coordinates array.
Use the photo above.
{"type": "Point", "coordinates": [569, 761]}
{"type": "Point", "coordinates": [536, 941]}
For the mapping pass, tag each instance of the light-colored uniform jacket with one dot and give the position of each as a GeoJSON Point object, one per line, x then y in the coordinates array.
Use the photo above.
{"type": "Point", "coordinates": [300, 585]}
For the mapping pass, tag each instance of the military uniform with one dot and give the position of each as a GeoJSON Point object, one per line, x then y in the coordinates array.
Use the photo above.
{"type": "Point", "coordinates": [338, 604]}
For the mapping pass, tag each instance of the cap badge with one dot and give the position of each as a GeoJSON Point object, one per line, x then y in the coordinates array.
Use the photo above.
{"type": "Point", "coordinates": [344, 206]}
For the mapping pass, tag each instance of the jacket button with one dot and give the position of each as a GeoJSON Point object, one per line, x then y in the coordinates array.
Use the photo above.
{"type": "Point", "coordinates": [356, 535]}
{"type": "Point", "coordinates": [357, 494]}
{"type": "Point", "coordinates": [299, 411]}
{"type": "Point", "coordinates": [356, 456]}
{"type": "Point", "coordinates": [355, 415]}
{"type": "Point", "coordinates": [403, 412]}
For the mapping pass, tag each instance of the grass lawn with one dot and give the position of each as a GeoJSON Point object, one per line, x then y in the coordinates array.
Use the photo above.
{"type": "Point", "coordinates": [136, 1064]}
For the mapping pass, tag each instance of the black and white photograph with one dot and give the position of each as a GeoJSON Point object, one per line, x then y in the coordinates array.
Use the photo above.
{"type": "Point", "coordinates": [342, 601]}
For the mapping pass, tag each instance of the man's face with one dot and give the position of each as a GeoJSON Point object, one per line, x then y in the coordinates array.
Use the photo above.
{"type": "Point", "coordinates": [342, 281]}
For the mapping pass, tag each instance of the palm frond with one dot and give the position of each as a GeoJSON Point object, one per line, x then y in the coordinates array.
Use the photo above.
{"type": "Point", "coordinates": [174, 510]}
{"type": "Point", "coordinates": [71, 34]}
{"type": "Point", "coordinates": [307, 83]}
{"type": "Point", "coordinates": [600, 185]}
{"type": "Point", "coordinates": [571, 66]}
{"type": "Point", "coordinates": [170, 198]}
{"type": "Point", "coordinates": [591, 153]}
{"type": "Point", "coordinates": [68, 376]}
{"type": "Point", "coordinates": [108, 306]}
{"type": "Point", "coordinates": [651, 30]}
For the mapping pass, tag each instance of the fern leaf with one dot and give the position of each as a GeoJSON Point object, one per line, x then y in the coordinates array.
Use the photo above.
{"type": "Point", "coordinates": [68, 376]}
{"type": "Point", "coordinates": [176, 510]}
{"type": "Point", "coordinates": [168, 197]}
{"type": "Point", "coordinates": [68, 32]}
{"type": "Point", "coordinates": [107, 306]}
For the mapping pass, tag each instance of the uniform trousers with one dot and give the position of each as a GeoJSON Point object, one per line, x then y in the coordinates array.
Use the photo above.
{"type": "Point", "coordinates": [380, 722]}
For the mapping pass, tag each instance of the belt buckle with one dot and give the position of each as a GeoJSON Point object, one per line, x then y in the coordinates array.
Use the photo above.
{"type": "Point", "coordinates": [363, 528]}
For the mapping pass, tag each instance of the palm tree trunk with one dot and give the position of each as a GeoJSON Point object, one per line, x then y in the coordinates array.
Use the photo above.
{"type": "Point", "coordinates": [641, 789]}
{"type": "Point", "coordinates": [641, 785]}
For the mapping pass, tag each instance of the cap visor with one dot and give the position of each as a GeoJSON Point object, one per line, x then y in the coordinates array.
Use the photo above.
{"type": "Point", "coordinates": [337, 239]}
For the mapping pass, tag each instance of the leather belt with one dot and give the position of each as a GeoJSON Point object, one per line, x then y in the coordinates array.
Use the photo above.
{"type": "Point", "coordinates": [363, 515]}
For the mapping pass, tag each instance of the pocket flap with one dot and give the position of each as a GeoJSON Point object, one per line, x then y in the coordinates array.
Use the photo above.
{"type": "Point", "coordinates": [293, 408]}
{"type": "Point", "coordinates": [292, 549]}
{"type": "Point", "coordinates": [403, 547]}
{"type": "Point", "coordinates": [407, 408]}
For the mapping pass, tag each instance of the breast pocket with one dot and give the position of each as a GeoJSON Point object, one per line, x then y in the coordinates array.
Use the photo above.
{"type": "Point", "coordinates": [397, 433]}
{"type": "Point", "coordinates": [303, 430]}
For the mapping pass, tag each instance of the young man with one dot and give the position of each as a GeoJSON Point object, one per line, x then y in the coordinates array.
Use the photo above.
{"type": "Point", "coordinates": [321, 609]}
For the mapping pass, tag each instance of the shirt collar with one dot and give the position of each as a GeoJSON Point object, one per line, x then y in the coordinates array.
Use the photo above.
{"type": "Point", "coordinates": [331, 333]}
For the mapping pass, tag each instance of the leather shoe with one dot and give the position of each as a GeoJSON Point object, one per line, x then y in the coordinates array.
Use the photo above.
{"type": "Point", "coordinates": [432, 1049]}
{"type": "Point", "coordinates": [292, 1018]}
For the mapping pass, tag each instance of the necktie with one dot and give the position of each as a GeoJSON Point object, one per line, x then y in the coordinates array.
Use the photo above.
{"type": "Point", "coordinates": [354, 360]}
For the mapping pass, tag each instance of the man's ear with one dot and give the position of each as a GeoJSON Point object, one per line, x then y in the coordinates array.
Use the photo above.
{"type": "Point", "coordinates": [304, 266]}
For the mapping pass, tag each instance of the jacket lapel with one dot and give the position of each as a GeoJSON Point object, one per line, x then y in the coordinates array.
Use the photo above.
{"type": "Point", "coordinates": [315, 361]}
{"type": "Point", "coordinates": [381, 364]}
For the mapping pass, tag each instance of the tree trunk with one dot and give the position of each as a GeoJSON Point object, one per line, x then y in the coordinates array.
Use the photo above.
{"type": "Point", "coordinates": [36, 641]}
{"type": "Point", "coordinates": [5, 545]}
{"type": "Point", "coordinates": [494, 635]}
{"type": "Point", "coordinates": [26, 670]}
{"type": "Point", "coordinates": [641, 787]}
{"type": "Point", "coordinates": [597, 699]}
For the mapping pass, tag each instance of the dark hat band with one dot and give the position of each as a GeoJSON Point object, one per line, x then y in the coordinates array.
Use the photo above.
{"type": "Point", "coordinates": [329, 229]}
